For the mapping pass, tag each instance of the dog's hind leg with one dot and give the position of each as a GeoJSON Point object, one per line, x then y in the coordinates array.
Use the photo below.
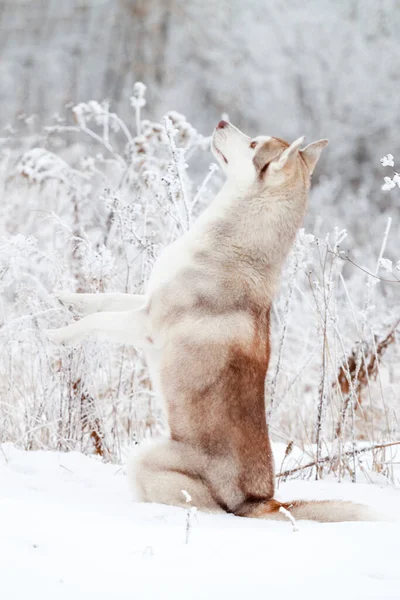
{"type": "Point", "coordinates": [164, 469]}
{"type": "Point", "coordinates": [92, 303]}
{"type": "Point", "coordinates": [126, 327]}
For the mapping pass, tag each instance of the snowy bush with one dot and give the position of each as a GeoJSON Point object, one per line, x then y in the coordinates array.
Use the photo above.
{"type": "Point", "coordinates": [87, 207]}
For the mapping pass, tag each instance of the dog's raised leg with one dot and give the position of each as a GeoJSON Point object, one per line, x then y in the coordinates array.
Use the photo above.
{"type": "Point", "coordinates": [92, 303]}
{"type": "Point", "coordinates": [125, 327]}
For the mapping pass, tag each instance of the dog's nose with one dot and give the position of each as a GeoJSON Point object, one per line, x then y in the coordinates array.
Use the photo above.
{"type": "Point", "coordinates": [222, 124]}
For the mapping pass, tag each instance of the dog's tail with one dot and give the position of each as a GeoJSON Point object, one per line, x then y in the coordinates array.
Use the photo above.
{"type": "Point", "coordinates": [324, 511]}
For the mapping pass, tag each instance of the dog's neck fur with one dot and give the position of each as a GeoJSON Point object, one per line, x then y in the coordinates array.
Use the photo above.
{"type": "Point", "coordinates": [245, 227]}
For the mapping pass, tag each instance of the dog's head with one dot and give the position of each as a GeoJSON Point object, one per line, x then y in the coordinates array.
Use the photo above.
{"type": "Point", "coordinates": [263, 162]}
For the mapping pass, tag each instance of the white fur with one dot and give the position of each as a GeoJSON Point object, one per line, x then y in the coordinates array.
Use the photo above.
{"type": "Point", "coordinates": [90, 303]}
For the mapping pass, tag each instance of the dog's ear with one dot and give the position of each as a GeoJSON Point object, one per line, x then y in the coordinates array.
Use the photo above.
{"type": "Point", "coordinates": [263, 157]}
{"type": "Point", "coordinates": [289, 154]}
{"type": "Point", "coordinates": [312, 152]}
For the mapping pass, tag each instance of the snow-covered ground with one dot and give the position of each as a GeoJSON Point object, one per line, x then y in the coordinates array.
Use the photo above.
{"type": "Point", "coordinates": [69, 529]}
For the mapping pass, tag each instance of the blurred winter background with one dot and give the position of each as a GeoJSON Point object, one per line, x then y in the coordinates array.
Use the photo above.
{"type": "Point", "coordinates": [94, 182]}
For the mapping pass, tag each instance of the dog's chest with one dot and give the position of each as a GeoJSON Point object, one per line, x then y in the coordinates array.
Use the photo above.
{"type": "Point", "coordinates": [173, 260]}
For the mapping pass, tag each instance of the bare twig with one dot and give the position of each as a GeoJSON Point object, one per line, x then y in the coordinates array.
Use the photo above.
{"type": "Point", "coordinates": [326, 459]}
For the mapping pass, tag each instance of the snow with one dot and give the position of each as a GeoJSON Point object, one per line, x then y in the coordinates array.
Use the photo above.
{"type": "Point", "coordinates": [70, 529]}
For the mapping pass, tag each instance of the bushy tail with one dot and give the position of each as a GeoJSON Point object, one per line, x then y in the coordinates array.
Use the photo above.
{"type": "Point", "coordinates": [331, 511]}
{"type": "Point", "coordinates": [324, 511]}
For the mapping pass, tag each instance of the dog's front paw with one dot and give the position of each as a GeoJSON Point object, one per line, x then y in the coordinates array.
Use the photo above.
{"type": "Point", "coordinates": [58, 336]}
{"type": "Point", "coordinates": [85, 304]}
{"type": "Point", "coordinates": [71, 301]}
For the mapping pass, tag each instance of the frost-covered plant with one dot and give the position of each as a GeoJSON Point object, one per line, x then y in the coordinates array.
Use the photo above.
{"type": "Point", "coordinates": [390, 182]}
{"type": "Point", "coordinates": [337, 377]}
{"type": "Point", "coordinates": [97, 225]}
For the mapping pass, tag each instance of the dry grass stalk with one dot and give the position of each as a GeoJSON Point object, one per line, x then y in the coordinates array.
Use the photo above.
{"type": "Point", "coordinates": [90, 422]}
{"type": "Point", "coordinates": [355, 377]}
{"type": "Point", "coordinates": [333, 459]}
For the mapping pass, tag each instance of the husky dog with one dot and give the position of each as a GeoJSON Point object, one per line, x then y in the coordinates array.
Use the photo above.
{"type": "Point", "coordinates": [204, 325]}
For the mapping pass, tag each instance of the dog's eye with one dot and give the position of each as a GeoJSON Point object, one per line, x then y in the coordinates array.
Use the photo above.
{"type": "Point", "coordinates": [264, 169]}
{"type": "Point", "coordinates": [253, 144]}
